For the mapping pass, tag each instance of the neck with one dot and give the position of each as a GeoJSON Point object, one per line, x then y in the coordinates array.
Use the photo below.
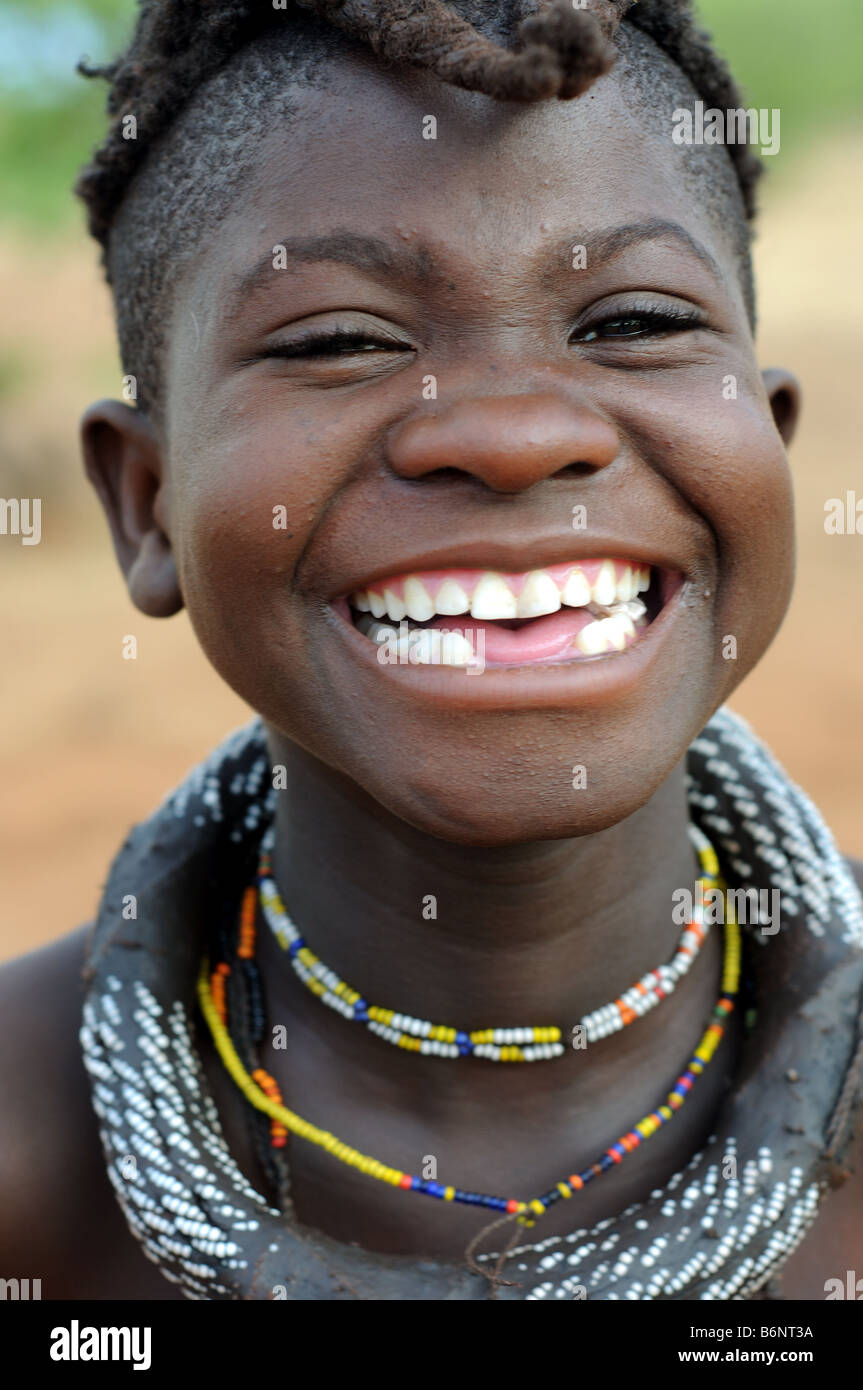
{"type": "Point", "coordinates": [535, 933]}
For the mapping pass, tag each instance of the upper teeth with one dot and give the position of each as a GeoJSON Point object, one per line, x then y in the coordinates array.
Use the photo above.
{"type": "Point", "coordinates": [539, 595]}
{"type": "Point", "coordinates": [492, 596]}
{"type": "Point", "coordinates": [576, 591]}
{"type": "Point", "coordinates": [451, 599]}
{"type": "Point", "coordinates": [418, 600]}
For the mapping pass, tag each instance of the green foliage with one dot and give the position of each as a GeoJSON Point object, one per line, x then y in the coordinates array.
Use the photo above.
{"type": "Point", "coordinates": [49, 124]}
{"type": "Point", "coordinates": [15, 370]}
{"type": "Point", "coordinates": [802, 56]}
{"type": "Point", "coordinates": [109, 12]}
{"type": "Point", "coordinates": [40, 151]}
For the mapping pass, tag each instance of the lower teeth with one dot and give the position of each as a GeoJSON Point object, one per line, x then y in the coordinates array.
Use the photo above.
{"type": "Point", "coordinates": [421, 646]}
{"type": "Point", "coordinates": [418, 646]}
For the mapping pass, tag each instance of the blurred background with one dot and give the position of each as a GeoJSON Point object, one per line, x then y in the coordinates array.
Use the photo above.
{"type": "Point", "coordinates": [89, 742]}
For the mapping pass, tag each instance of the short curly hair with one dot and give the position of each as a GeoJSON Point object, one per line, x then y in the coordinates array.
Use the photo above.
{"type": "Point", "coordinates": [204, 77]}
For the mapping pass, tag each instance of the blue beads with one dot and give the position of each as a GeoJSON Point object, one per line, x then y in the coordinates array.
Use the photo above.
{"type": "Point", "coordinates": [464, 1044]}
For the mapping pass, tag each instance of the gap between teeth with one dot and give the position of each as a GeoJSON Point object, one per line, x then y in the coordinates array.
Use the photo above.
{"type": "Point", "coordinates": [492, 597]}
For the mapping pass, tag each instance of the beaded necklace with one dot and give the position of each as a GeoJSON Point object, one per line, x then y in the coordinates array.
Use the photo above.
{"type": "Point", "coordinates": [261, 1090]}
{"type": "Point", "coordinates": [531, 1044]}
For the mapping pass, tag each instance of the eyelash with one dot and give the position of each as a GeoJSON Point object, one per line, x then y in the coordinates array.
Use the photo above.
{"type": "Point", "coordinates": [660, 321]}
{"type": "Point", "coordinates": [332, 344]}
{"type": "Point", "coordinates": [351, 340]}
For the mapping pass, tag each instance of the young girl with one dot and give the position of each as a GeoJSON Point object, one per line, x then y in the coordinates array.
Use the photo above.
{"type": "Point", "coordinates": [497, 959]}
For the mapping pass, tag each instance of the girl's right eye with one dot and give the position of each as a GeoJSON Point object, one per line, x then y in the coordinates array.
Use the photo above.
{"type": "Point", "coordinates": [337, 342]}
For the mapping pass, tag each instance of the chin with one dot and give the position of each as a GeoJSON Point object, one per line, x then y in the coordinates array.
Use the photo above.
{"type": "Point", "coordinates": [491, 796]}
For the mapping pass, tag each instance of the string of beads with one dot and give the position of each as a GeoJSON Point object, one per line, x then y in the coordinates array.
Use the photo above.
{"type": "Point", "coordinates": [527, 1044]}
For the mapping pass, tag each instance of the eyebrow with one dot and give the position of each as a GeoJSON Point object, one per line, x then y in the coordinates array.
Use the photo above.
{"type": "Point", "coordinates": [383, 260]}
{"type": "Point", "coordinates": [604, 245]}
{"type": "Point", "coordinates": [371, 254]}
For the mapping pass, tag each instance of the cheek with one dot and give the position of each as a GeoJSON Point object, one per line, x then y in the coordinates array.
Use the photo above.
{"type": "Point", "coordinates": [246, 507]}
{"type": "Point", "coordinates": [732, 468]}
{"type": "Point", "coordinates": [753, 516]}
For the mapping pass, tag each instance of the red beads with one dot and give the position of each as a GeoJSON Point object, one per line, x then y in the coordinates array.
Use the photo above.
{"type": "Point", "coordinates": [278, 1133]}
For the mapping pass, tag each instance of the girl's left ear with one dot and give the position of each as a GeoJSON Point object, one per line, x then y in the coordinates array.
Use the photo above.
{"type": "Point", "coordinates": [123, 460]}
{"type": "Point", "coordinates": [783, 393]}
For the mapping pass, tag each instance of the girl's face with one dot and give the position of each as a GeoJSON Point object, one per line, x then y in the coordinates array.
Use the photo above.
{"type": "Point", "coordinates": [498, 339]}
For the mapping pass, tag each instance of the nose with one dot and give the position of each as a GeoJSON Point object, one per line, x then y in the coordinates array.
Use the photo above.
{"type": "Point", "coordinates": [507, 442]}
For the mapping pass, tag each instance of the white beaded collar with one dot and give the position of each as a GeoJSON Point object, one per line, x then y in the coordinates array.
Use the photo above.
{"type": "Point", "coordinates": [699, 1237]}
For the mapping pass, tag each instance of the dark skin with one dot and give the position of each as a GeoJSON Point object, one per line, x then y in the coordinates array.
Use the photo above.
{"type": "Point", "coordinates": [404, 782]}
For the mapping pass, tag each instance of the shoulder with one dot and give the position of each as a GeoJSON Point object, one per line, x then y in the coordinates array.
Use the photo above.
{"type": "Point", "coordinates": [61, 1221]}
{"type": "Point", "coordinates": [833, 1246]}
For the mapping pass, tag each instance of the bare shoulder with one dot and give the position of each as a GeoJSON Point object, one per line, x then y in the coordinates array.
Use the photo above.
{"type": "Point", "coordinates": [61, 1222]}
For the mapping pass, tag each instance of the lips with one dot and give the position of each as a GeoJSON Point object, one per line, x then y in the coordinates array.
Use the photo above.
{"type": "Point", "coordinates": [559, 613]}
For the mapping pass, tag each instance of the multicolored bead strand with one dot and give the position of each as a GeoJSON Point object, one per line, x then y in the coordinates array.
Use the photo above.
{"type": "Point", "coordinates": [246, 966]}
{"type": "Point", "coordinates": [527, 1211]}
{"type": "Point", "coordinates": [530, 1044]}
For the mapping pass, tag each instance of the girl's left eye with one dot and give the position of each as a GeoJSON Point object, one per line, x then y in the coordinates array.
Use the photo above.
{"type": "Point", "coordinates": [641, 323]}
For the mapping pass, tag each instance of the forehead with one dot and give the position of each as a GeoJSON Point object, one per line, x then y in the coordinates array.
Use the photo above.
{"type": "Point", "coordinates": [455, 180]}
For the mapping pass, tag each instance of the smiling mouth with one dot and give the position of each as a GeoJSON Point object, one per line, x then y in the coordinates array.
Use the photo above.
{"type": "Point", "coordinates": [562, 613]}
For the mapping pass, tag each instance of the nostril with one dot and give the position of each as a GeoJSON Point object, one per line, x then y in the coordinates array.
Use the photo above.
{"type": "Point", "coordinates": [462, 475]}
{"type": "Point", "coordinates": [445, 475]}
{"type": "Point", "coordinates": [575, 470]}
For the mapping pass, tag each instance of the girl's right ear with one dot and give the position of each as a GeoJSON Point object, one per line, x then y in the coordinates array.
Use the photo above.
{"type": "Point", "coordinates": [123, 460]}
